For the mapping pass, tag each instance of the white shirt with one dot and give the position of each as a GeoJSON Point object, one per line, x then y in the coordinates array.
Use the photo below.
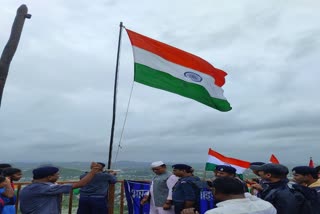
{"type": "Point", "coordinates": [248, 205]}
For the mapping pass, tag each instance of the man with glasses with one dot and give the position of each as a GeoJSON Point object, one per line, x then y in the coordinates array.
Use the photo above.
{"type": "Point", "coordinates": [160, 194]}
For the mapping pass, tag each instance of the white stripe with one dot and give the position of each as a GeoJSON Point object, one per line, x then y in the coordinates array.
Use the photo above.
{"type": "Point", "coordinates": [154, 61]}
{"type": "Point", "coordinates": [217, 161]}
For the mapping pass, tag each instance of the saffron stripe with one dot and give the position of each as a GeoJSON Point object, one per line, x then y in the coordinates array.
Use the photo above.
{"type": "Point", "coordinates": [177, 56]}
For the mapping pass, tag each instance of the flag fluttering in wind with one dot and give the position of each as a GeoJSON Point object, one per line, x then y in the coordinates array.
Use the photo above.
{"type": "Point", "coordinates": [165, 67]}
{"type": "Point", "coordinates": [311, 164]}
{"type": "Point", "coordinates": [216, 158]}
{"type": "Point", "coordinates": [273, 159]}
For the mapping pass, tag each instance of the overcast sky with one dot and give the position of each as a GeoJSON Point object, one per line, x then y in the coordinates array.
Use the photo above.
{"type": "Point", "coordinates": [57, 103]}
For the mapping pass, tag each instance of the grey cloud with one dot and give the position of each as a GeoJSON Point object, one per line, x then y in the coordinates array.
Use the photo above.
{"type": "Point", "coordinates": [305, 45]}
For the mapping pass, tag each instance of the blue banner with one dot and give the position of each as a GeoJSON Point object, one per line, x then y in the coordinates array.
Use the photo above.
{"type": "Point", "coordinates": [206, 200]}
{"type": "Point", "coordinates": [135, 190]}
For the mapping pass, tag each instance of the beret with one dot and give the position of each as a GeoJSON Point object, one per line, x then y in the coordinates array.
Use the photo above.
{"type": "Point", "coordinates": [44, 171]}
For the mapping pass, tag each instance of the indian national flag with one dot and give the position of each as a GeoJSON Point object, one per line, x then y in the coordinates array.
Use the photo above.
{"type": "Point", "coordinates": [165, 67]}
{"type": "Point", "coordinates": [216, 158]}
{"type": "Point", "coordinates": [274, 159]}
{"type": "Point", "coordinates": [311, 164]}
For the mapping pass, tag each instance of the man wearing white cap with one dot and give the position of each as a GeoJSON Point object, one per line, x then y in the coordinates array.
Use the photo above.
{"type": "Point", "coordinates": [160, 194]}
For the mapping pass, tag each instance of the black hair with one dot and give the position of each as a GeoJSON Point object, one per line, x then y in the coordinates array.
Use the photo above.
{"type": "Point", "coordinates": [318, 169]}
{"type": "Point", "coordinates": [10, 171]}
{"type": "Point", "coordinates": [102, 164]}
{"type": "Point", "coordinates": [191, 170]}
{"type": "Point", "coordinates": [277, 175]}
{"type": "Point", "coordinates": [4, 165]}
{"type": "Point", "coordinates": [2, 178]}
{"type": "Point", "coordinates": [228, 186]}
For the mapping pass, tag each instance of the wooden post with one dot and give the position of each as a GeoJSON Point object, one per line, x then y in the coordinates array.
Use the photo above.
{"type": "Point", "coordinates": [18, 197]}
{"type": "Point", "coordinates": [122, 198]}
{"type": "Point", "coordinates": [111, 191]}
{"type": "Point", "coordinates": [70, 202]}
{"type": "Point", "coordinates": [12, 44]}
{"type": "Point", "coordinates": [60, 199]}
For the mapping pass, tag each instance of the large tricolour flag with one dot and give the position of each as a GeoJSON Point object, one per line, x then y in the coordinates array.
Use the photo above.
{"type": "Point", "coordinates": [165, 67]}
{"type": "Point", "coordinates": [216, 158]}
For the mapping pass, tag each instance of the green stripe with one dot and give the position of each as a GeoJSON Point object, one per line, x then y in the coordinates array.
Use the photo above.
{"type": "Point", "coordinates": [161, 80]}
{"type": "Point", "coordinates": [210, 167]}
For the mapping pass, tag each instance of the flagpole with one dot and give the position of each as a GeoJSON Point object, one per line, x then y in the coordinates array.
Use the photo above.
{"type": "Point", "coordinates": [205, 175]}
{"type": "Point", "coordinates": [114, 99]}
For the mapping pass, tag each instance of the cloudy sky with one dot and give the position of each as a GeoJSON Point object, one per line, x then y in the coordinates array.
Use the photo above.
{"type": "Point", "coordinates": [57, 103]}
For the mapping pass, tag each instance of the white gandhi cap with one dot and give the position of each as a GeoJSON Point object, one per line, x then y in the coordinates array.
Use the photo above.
{"type": "Point", "coordinates": [156, 164]}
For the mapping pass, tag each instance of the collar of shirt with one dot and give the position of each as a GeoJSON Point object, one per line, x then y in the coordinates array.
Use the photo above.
{"type": "Point", "coordinates": [315, 184]}
{"type": "Point", "coordinates": [233, 201]}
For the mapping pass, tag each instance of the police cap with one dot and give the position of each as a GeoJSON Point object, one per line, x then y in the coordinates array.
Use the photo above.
{"type": "Point", "coordinates": [44, 171]}
{"type": "Point", "coordinates": [226, 168]}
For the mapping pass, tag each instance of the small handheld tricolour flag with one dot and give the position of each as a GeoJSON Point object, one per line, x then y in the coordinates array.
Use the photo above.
{"type": "Point", "coordinates": [311, 164]}
{"type": "Point", "coordinates": [273, 159]}
{"type": "Point", "coordinates": [216, 158]}
{"type": "Point", "coordinates": [165, 67]}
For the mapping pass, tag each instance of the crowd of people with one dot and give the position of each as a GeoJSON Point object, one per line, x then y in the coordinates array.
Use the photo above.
{"type": "Point", "coordinates": [175, 192]}
{"type": "Point", "coordinates": [270, 192]}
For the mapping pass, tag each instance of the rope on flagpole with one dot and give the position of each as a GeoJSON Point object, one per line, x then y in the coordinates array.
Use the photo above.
{"type": "Point", "coordinates": [124, 124]}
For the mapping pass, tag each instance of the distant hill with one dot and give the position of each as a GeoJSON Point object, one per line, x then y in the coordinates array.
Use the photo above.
{"type": "Point", "coordinates": [132, 170]}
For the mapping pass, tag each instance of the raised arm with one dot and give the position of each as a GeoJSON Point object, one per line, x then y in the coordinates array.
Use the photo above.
{"type": "Point", "coordinates": [8, 192]}
{"type": "Point", "coordinates": [95, 168]}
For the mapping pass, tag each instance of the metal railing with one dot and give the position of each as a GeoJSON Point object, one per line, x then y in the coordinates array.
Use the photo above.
{"type": "Point", "coordinates": [114, 190]}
